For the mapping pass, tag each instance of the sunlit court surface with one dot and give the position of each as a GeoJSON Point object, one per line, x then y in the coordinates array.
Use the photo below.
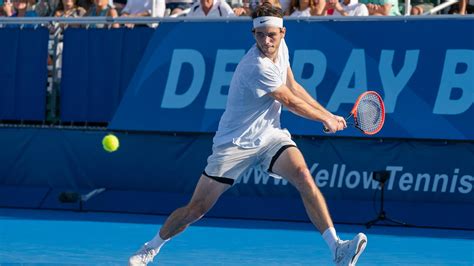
{"type": "Point", "coordinates": [42, 237]}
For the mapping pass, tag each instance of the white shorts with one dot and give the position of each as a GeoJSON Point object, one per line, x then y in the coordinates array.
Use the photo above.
{"type": "Point", "coordinates": [228, 161]}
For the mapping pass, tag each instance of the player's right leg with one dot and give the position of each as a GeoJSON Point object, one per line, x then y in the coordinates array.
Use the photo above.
{"type": "Point", "coordinates": [206, 193]}
{"type": "Point", "coordinates": [205, 196]}
{"type": "Point", "coordinates": [226, 163]}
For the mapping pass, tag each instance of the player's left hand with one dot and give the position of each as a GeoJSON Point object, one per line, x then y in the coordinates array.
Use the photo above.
{"type": "Point", "coordinates": [341, 120]}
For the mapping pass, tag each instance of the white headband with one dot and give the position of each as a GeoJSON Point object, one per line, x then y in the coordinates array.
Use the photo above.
{"type": "Point", "coordinates": [267, 22]}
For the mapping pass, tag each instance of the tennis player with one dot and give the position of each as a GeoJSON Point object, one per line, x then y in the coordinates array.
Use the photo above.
{"type": "Point", "coordinates": [249, 133]}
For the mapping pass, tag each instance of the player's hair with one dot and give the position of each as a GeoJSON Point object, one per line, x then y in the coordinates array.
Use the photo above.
{"type": "Point", "coordinates": [267, 10]}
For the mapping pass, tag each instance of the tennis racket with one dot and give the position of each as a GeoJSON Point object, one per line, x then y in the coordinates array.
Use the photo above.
{"type": "Point", "coordinates": [368, 113]}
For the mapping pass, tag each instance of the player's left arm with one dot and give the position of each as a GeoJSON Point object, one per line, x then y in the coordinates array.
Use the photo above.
{"type": "Point", "coordinates": [301, 93]}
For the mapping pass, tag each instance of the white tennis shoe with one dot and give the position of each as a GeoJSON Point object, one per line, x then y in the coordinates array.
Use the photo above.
{"type": "Point", "coordinates": [348, 251]}
{"type": "Point", "coordinates": [143, 256]}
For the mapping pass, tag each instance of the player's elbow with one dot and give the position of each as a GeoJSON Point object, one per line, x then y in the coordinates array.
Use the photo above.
{"type": "Point", "coordinates": [287, 98]}
{"type": "Point", "coordinates": [289, 103]}
{"type": "Point", "coordinates": [294, 107]}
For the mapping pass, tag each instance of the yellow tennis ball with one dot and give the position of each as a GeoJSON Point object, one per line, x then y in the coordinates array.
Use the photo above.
{"type": "Point", "coordinates": [110, 143]}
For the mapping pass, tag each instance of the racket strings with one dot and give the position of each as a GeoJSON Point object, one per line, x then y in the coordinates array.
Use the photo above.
{"type": "Point", "coordinates": [369, 113]}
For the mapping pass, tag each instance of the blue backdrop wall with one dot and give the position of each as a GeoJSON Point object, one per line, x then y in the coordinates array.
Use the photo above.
{"type": "Point", "coordinates": [97, 67]}
{"type": "Point", "coordinates": [23, 73]}
{"type": "Point", "coordinates": [425, 78]}
{"type": "Point", "coordinates": [165, 95]}
{"type": "Point", "coordinates": [155, 173]}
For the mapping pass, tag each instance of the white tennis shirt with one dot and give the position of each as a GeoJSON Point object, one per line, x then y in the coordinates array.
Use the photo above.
{"type": "Point", "coordinates": [251, 113]}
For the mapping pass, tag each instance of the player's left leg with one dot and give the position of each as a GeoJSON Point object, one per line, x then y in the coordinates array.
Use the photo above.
{"type": "Point", "coordinates": [290, 164]}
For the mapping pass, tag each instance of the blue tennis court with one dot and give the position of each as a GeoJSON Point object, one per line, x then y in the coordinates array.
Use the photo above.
{"type": "Point", "coordinates": [86, 238]}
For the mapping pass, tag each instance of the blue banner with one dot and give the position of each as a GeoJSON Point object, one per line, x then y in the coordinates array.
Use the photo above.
{"type": "Point", "coordinates": [39, 163]}
{"type": "Point", "coordinates": [98, 65]}
{"type": "Point", "coordinates": [23, 73]}
{"type": "Point", "coordinates": [425, 77]}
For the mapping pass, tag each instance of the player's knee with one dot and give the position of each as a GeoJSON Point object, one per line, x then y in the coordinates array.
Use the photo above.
{"type": "Point", "coordinates": [304, 175]}
{"type": "Point", "coordinates": [304, 182]}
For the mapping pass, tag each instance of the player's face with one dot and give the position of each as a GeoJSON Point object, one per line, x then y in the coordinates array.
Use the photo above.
{"type": "Point", "coordinates": [269, 39]}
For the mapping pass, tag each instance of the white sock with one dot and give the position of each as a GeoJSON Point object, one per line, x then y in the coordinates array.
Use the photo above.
{"type": "Point", "coordinates": [331, 239]}
{"type": "Point", "coordinates": [157, 242]}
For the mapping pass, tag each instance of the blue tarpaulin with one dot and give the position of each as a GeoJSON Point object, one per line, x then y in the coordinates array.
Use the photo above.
{"type": "Point", "coordinates": [156, 173]}
{"type": "Point", "coordinates": [97, 67]}
{"type": "Point", "coordinates": [425, 78]}
{"type": "Point", "coordinates": [23, 73]}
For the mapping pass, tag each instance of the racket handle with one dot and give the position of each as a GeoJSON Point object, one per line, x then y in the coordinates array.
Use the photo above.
{"type": "Point", "coordinates": [325, 130]}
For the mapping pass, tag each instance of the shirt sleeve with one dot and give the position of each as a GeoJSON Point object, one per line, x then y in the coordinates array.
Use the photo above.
{"type": "Point", "coordinates": [227, 10]}
{"type": "Point", "coordinates": [268, 79]}
{"type": "Point", "coordinates": [384, 2]}
{"type": "Point", "coordinates": [192, 12]}
{"type": "Point", "coordinates": [160, 8]}
{"type": "Point", "coordinates": [148, 6]}
{"type": "Point", "coordinates": [126, 9]}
